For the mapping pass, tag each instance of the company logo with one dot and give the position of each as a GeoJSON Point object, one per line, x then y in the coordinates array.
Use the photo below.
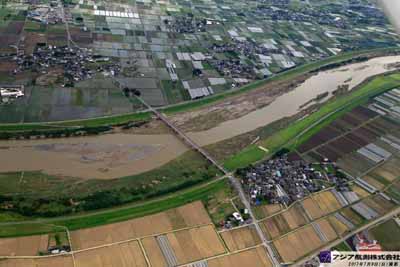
{"type": "Point", "coordinates": [325, 257]}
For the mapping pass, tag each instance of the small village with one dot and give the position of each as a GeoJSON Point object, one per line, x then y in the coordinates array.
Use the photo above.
{"type": "Point", "coordinates": [283, 180]}
{"type": "Point", "coordinates": [77, 63]}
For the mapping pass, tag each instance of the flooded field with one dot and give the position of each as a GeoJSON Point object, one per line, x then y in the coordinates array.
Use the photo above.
{"type": "Point", "coordinates": [116, 155]}
{"type": "Point", "coordinates": [94, 98]}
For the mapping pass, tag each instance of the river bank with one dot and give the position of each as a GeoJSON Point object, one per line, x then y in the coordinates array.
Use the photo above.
{"type": "Point", "coordinates": [131, 152]}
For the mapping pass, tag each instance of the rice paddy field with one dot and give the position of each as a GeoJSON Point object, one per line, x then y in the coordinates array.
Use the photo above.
{"type": "Point", "coordinates": [344, 141]}
{"type": "Point", "coordinates": [263, 211]}
{"type": "Point", "coordinates": [125, 255]}
{"type": "Point", "coordinates": [297, 244]}
{"type": "Point", "coordinates": [241, 238]}
{"type": "Point", "coordinates": [327, 229]}
{"type": "Point", "coordinates": [195, 244]}
{"type": "Point", "coordinates": [339, 227]}
{"type": "Point", "coordinates": [24, 246]}
{"type": "Point", "coordinates": [186, 216]}
{"type": "Point", "coordinates": [59, 261]}
{"type": "Point", "coordinates": [284, 222]}
{"type": "Point", "coordinates": [174, 237]}
{"type": "Point", "coordinates": [256, 257]}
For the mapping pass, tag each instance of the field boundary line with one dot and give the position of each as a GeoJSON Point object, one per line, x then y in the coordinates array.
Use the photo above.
{"type": "Point", "coordinates": [294, 203]}
{"type": "Point", "coordinates": [141, 237]}
{"type": "Point", "coordinates": [144, 253]}
{"type": "Point", "coordinates": [226, 248]}
{"type": "Point", "coordinates": [235, 228]}
{"type": "Point", "coordinates": [36, 257]}
{"type": "Point", "coordinates": [359, 229]}
{"type": "Point", "coordinates": [223, 255]}
{"type": "Point", "coordinates": [326, 216]}
{"type": "Point", "coordinates": [339, 136]}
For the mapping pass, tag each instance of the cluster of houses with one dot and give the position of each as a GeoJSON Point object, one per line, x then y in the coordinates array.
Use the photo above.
{"type": "Point", "coordinates": [46, 14]}
{"type": "Point", "coordinates": [280, 180]}
{"type": "Point", "coordinates": [186, 24]}
{"type": "Point", "coordinates": [74, 61]}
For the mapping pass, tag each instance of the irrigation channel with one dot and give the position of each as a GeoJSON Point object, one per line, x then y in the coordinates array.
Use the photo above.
{"type": "Point", "coordinates": [121, 154]}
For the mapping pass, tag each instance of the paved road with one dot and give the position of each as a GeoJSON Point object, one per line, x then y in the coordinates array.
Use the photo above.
{"type": "Point", "coordinates": [65, 22]}
{"type": "Point", "coordinates": [235, 182]}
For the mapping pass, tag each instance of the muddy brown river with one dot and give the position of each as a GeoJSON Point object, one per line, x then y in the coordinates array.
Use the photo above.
{"type": "Point", "coordinates": [116, 155]}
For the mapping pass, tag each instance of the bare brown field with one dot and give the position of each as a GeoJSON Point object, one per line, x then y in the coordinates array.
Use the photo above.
{"type": "Point", "coordinates": [327, 229]}
{"type": "Point", "coordinates": [153, 252]}
{"type": "Point", "coordinates": [270, 209]}
{"type": "Point", "coordinates": [275, 226]}
{"type": "Point", "coordinates": [339, 227]}
{"type": "Point", "coordinates": [58, 261]}
{"type": "Point", "coordinates": [241, 238]}
{"type": "Point", "coordinates": [189, 215]}
{"type": "Point", "coordinates": [297, 244]}
{"type": "Point", "coordinates": [327, 201]}
{"type": "Point", "coordinates": [256, 257]}
{"type": "Point", "coordinates": [295, 217]}
{"type": "Point", "coordinates": [195, 244]}
{"type": "Point", "coordinates": [121, 255]}
{"type": "Point", "coordinates": [284, 222]}
{"type": "Point", "coordinates": [311, 206]}
{"type": "Point", "coordinates": [23, 246]}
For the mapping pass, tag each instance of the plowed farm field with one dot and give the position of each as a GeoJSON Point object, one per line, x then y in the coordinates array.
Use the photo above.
{"type": "Point", "coordinates": [256, 257]}
{"type": "Point", "coordinates": [297, 244]}
{"type": "Point", "coordinates": [327, 229]}
{"type": "Point", "coordinates": [153, 252]}
{"type": "Point", "coordinates": [58, 261]}
{"type": "Point", "coordinates": [311, 206]}
{"type": "Point", "coordinates": [189, 215]}
{"type": "Point", "coordinates": [340, 228]}
{"type": "Point", "coordinates": [195, 244]}
{"type": "Point", "coordinates": [241, 238]}
{"type": "Point", "coordinates": [284, 222]}
{"type": "Point", "coordinates": [327, 201]}
{"type": "Point", "coordinates": [23, 246]}
{"type": "Point", "coordinates": [120, 255]}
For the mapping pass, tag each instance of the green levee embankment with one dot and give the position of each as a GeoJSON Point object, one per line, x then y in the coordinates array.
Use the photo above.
{"type": "Point", "coordinates": [113, 215]}
{"type": "Point", "coordinates": [300, 131]}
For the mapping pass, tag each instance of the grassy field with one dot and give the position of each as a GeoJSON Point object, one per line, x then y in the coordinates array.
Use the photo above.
{"type": "Point", "coordinates": [342, 247]}
{"type": "Point", "coordinates": [118, 119]}
{"type": "Point", "coordinates": [204, 193]}
{"type": "Point", "coordinates": [388, 235]}
{"type": "Point", "coordinates": [101, 121]}
{"type": "Point", "coordinates": [300, 131]}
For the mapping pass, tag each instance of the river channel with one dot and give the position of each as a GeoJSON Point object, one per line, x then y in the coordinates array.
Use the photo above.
{"type": "Point", "coordinates": [116, 155]}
